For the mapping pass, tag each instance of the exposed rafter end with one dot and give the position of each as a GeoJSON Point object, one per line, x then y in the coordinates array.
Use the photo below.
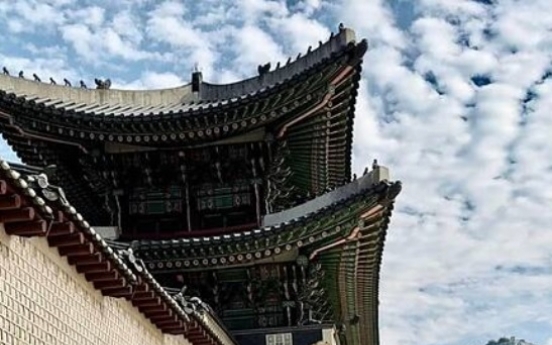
{"type": "Point", "coordinates": [91, 259]}
{"type": "Point", "coordinates": [9, 202]}
{"type": "Point", "coordinates": [176, 329]}
{"type": "Point", "coordinates": [77, 250]}
{"type": "Point", "coordinates": [124, 292]}
{"type": "Point", "coordinates": [106, 285]}
{"type": "Point", "coordinates": [156, 301]}
{"type": "Point", "coordinates": [168, 315]}
{"type": "Point", "coordinates": [62, 229]}
{"type": "Point", "coordinates": [138, 296]}
{"type": "Point", "coordinates": [17, 215]}
{"type": "Point", "coordinates": [170, 323]}
{"type": "Point", "coordinates": [102, 276]}
{"type": "Point", "coordinates": [69, 240]}
{"type": "Point", "coordinates": [27, 229]}
{"type": "Point", "coordinates": [92, 267]}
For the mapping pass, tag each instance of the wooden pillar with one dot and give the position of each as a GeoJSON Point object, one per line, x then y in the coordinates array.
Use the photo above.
{"type": "Point", "coordinates": [184, 174]}
{"type": "Point", "coordinates": [257, 202]}
{"type": "Point", "coordinates": [188, 211]}
{"type": "Point", "coordinates": [256, 183]}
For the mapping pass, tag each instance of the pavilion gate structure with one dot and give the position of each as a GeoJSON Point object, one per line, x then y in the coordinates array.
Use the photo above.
{"type": "Point", "coordinates": [237, 199]}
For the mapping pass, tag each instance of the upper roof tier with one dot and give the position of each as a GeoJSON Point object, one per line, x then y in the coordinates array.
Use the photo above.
{"type": "Point", "coordinates": [188, 98]}
{"type": "Point", "coordinates": [307, 106]}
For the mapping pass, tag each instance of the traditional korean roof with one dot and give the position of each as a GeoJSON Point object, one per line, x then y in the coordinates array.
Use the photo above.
{"type": "Point", "coordinates": [307, 103]}
{"type": "Point", "coordinates": [343, 231]}
{"type": "Point", "coordinates": [31, 207]}
{"type": "Point", "coordinates": [123, 105]}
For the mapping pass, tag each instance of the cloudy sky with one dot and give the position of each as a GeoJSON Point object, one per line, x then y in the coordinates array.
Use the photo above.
{"type": "Point", "coordinates": [456, 99]}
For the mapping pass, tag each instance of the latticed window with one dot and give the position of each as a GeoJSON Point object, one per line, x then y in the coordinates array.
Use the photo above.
{"type": "Point", "coordinates": [216, 197]}
{"type": "Point", "coordinates": [156, 201]}
{"type": "Point", "coordinates": [279, 339]}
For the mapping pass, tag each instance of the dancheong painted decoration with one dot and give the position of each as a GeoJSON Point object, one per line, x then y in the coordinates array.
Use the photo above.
{"type": "Point", "coordinates": [227, 213]}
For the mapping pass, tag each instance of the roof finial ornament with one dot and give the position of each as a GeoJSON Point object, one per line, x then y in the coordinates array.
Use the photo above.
{"type": "Point", "coordinates": [5, 71]}
{"type": "Point", "coordinates": [263, 69]}
{"type": "Point", "coordinates": [331, 35]}
{"type": "Point", "coordinates": [134, 245]}
{"type": "Point", "coordinates": [21, 75]}
{"type": "Point", "coordinates": [288, 61]}
{"type": "Point", "coordinates": [309, 50]}
{"type": "Point", "coordinates": [341, 27]}
{"type": "Point", "coordinates": [36, 78]}
{"type": "Point", "coordinates": [52, 81]}
{"type": "Point", "coordinates": [128, 254]}
{"type": "Point", "coordinates": [181, 293]}
{"type": "Point", "coordinates": [83, 85]}
{"type": "Point", "coordinates": [50, 170]}
{"type": "Point", "coordinates": [67, 82]}
{"type": "Point", "coordinates": [102, 84]}
{"type": "Point", "coordinates": [278, 65]}
{"type": "Point", "coordinates": [356, 55]}
{"type": "Point", "coordinates": [375, 164]}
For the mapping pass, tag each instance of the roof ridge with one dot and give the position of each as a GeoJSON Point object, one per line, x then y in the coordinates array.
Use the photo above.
{"type": "Point", "coordinates": [20, 86]}
{"type": "Point", "coordinates": [266, 77]}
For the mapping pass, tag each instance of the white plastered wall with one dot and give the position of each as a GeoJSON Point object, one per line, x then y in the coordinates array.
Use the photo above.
{"type": "Point", "coordinates": [44, 301]}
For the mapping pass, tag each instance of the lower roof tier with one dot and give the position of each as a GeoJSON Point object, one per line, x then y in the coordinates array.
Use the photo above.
{"type": "Point", "coordinates": [342, 232]}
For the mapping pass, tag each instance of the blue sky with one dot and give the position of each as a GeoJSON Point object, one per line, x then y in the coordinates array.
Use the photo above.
{"type": "Point", "coordinates": [455, 99]}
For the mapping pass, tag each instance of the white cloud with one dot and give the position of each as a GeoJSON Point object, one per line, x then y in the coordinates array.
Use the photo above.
{"type": "Point", "coordinates": [154, 80]}
{"type": "Point", "coordinates": [252, 11]}
{"type": "Point", "coordinates": [80, 36]}
{"type": "Point", "coordinates": [92, 16]}
{"type": "Point", "coordinates": [254, 47]}
{"type": "Point", "coordinates": [445, 162]}
{"type": "Point", "coordinates": [468, 251]}
{"type": "Point", "coordinates": [167, 24]}
{"type": "Point", "coordinates": [300, 30]}
{"type": "Point", "coordinates": [373, 20]}
{"type": "Point", "coordinates": [45, 68]}
{"type": "Point", "coordinates": [38, 13]}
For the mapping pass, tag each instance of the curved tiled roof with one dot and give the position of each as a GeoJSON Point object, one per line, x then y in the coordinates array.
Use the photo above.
{"type": "Point", "coordinates": [309, 103]}
{"type": "Point", "coordinates": [343, 230]}
{"type": "Point", "coordinates": [31, 207]}
{"type": "Point", "coordinates": [277, 235]}
{"type": "Point", "coordinates": [167, 101]}
{"type": "Point", "coordinates": [334, 45]}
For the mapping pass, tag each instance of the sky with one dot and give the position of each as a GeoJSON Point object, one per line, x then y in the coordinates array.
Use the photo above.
{"type": "Point", "coordinates": [455, 99]}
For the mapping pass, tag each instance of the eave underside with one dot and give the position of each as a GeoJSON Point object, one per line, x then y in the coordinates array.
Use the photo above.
{"type": "Point", "coordinates": [353, 280]}
{"type": "Point", "coordinates": [347, 239]}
